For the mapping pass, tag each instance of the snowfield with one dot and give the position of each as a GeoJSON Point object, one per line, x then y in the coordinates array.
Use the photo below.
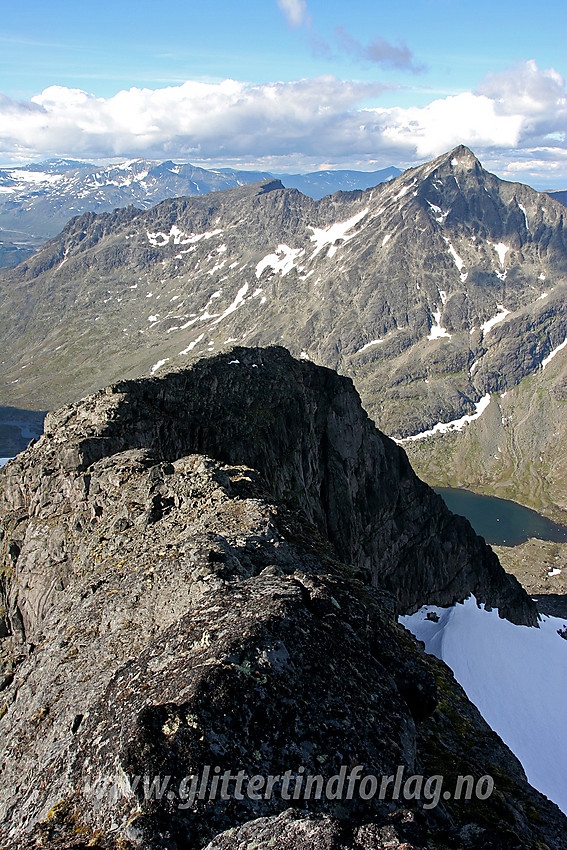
{"type": "Point", "coordinates": [454, 425]}
{"type": "Point", "coordinates": [515, 675]}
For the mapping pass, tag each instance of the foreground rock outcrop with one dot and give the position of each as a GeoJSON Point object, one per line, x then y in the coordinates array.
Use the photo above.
{"type": "Point", "coordinates": [201, 575]}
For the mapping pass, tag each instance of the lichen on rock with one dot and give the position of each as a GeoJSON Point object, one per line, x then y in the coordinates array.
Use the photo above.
{"type": "Point", "coordinates": [201, 573]}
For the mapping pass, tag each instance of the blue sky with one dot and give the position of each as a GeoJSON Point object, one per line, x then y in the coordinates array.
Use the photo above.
{"type": "Point", "coordinates": [314, 83]}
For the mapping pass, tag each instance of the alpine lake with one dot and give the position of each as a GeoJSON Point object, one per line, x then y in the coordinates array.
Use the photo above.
{"type": "Point", "coordinates": [501, 522]}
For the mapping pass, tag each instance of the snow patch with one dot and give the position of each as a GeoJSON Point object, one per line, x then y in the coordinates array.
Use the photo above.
{"type": "Point", "coordinates": [192, 345]}
{"type": "Point", "coordinates": [64, 260]}
{"type": "Point", "coordinates": [487, 326]}
{"type": "Point", "coordinates": [522, 207]}
{"type": "Point", "coordinates": [438, 213]}
{"type": "Point", "coordinates": [334, 233]}
{"type": "Point", "coordinates": [437, 332]}
{"type": "Point", "coordinates": [455, 425]}
{"type": "Point", "coordinates": [281, 262]}
{"type": "Point", "coordinates": [189, 323]}
{"type": "Point", "coordinates": [370, 344]}
{"type": "Point", "coordinates": [515, 675]}
{"type": "Point", "coordinates": [404, 190]}
{"type": "Point", "coordinates": [459, 262]}
{"type": "Point", "coordinates": [158, 365]}
{"type": "Point", "coordinates": [501, 249]}
{"type": "Point", "coordinates": [555, 351]}
{"type": "Point", "coordinates": [386, 239]}
{"type": "Point", "coordinates": [217, 267]}
{"type": "Point", "coordinates": [238, 301]}
{"type": "Point", "coordinates": [35, 176]}
{"type": "Point", "coordinates": [159, 239]}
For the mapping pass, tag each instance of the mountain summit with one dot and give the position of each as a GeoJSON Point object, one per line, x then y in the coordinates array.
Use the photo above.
{"type": "Point", "coordinates": [200, 577]}
{"type": "Point", "coordinates": [434, 292]}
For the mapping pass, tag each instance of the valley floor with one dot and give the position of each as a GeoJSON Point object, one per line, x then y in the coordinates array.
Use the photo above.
{"type": "Point", "coordinates": [540, 567]}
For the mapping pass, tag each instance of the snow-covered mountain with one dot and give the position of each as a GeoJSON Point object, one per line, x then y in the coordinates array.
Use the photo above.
{"type": "Point", "coordinates": [439, 292]}
{"type": "Point", "coordinates": [37, 201]}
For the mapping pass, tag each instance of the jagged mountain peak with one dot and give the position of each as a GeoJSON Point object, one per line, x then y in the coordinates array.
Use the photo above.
{"type": "Point", "coordinates": [460, 158]}
{"type": "Point", "coordinates": [432, 291]}
{"type": "Point", "coordinates": [183, 586]}
{"type": "Point", "coordinates": [462, 155]}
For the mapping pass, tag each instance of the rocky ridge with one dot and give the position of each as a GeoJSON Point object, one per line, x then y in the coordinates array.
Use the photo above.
{"type": "Point", "coordinates": [441, 293]}
{"type": "Point", "coordinates": [434, 291]}
{"type": "Point", "coordinates": [37, 201]}
{"type": "Point", "coordinates": [204, 569]}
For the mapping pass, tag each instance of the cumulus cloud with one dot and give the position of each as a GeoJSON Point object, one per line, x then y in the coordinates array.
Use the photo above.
{"type": "Point", "coordinates": [518, 115]}
{"type": "Point", "coordinates": [295, 11]}
{"type": "Point", "coordinates": [525, 89]}
{"type": "Point", "coordinates": [443, 124]}
{"type": "Point", "coordinates": [195, 119]}
{"type": "Point", "coordinates": [539, 96]}
{"type": "Point", "coordinates": [379, 51]}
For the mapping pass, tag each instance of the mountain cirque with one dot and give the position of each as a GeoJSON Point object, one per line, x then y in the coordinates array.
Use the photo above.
{"type": "Point", "coordinates": [436, 292]}
{"type": "Point", "coordinates": [205, 569]}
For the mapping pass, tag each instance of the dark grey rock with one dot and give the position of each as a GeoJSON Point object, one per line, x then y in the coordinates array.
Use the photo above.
{"type": "Point", "coordinates": [169, 611]}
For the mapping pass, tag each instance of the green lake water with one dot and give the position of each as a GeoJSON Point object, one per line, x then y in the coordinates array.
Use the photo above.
{"type": "Point", "coordinates": [500, 521]}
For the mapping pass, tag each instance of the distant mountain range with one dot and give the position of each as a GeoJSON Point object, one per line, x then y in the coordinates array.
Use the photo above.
{"type": "Point", "coordinates": [442, 293]}
{"type": "Point", "coordinates": [37, 201]}
{"type": "Point", "coordinates": [317, 184]}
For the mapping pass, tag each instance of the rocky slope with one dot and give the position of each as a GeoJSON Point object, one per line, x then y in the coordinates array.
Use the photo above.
{"type": "Point", "coordinates": [516, 450]}
{"type": "Point", "coordinates": [37, 201]}
{"type": "Point", "coordinates": [434, 292]}
{"type": "Point", "coordinates": [204, 569]}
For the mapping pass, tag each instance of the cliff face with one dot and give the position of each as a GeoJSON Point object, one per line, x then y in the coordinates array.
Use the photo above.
{"type": "Point", "coordinates": [303, 429]}
{"type": "Point", "coordinates": [431, 291]}
{"type": "Point", "coordinates": [203, 570]}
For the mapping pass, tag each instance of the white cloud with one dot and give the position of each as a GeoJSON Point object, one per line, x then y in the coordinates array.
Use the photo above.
{"type": "Point", "coordinates": [525, 89]}
{"type": "Point", "coordinates": [459, 119]}
{"type": "Point", "coordinates": [538, 96]}
{"type": "Point", "coordinates": [195, 119]}
{"type": "Point", "coordinates": [517, 116]}
{"type": "Point", "coordinates": [295, 11]}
